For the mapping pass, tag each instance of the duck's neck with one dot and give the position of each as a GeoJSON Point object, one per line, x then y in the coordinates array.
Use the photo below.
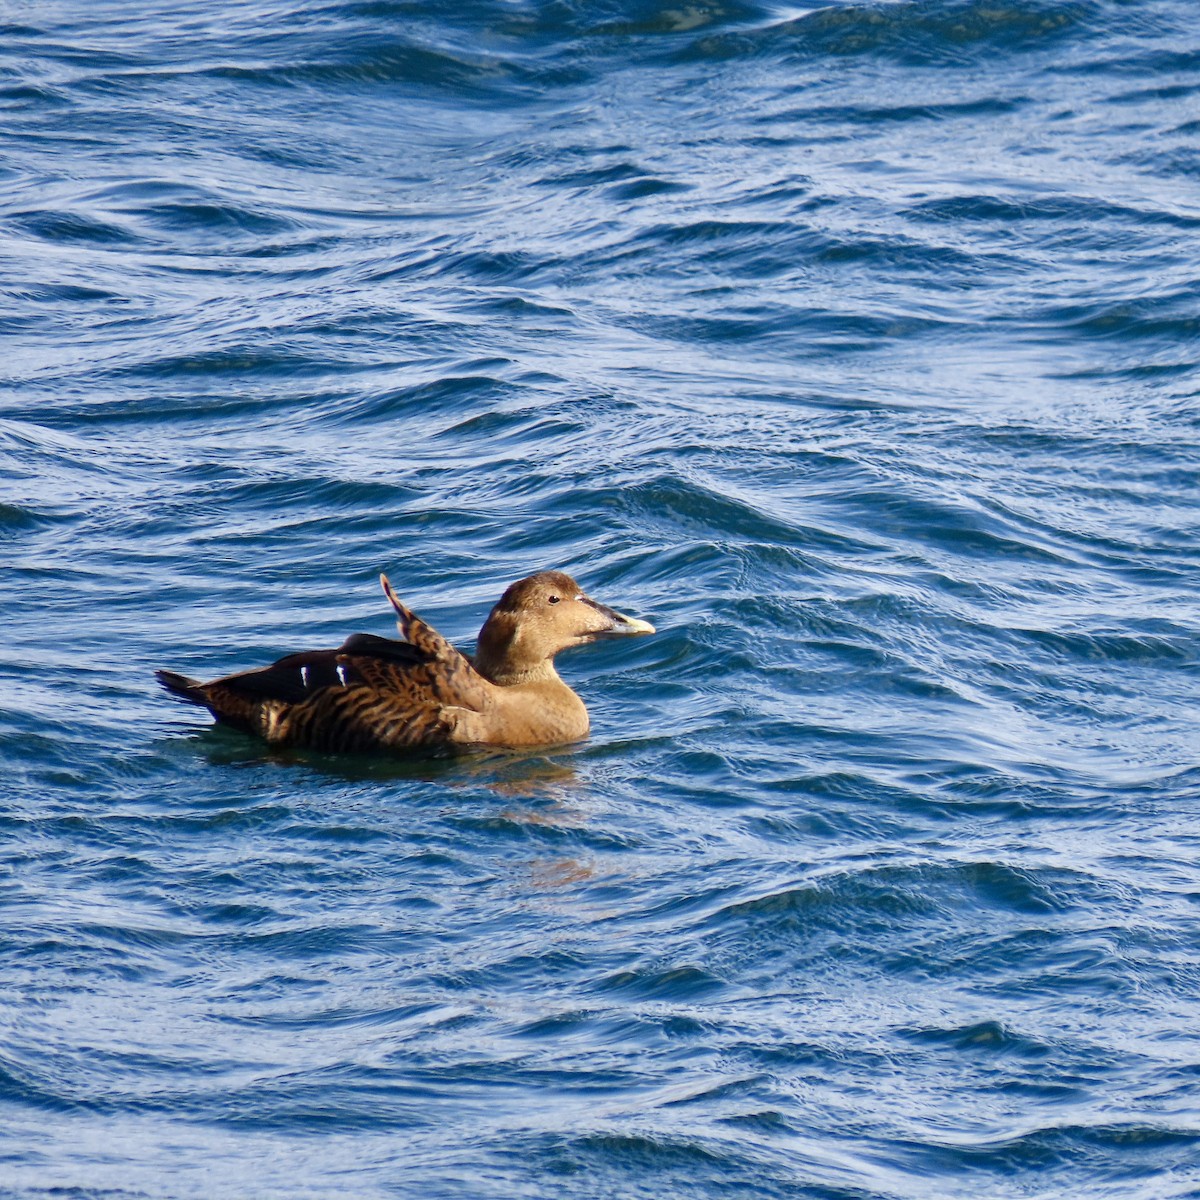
{"type": "Point", "coordinates": [509, 655]}
{"type": "Point", "coordinates": [505, 671]}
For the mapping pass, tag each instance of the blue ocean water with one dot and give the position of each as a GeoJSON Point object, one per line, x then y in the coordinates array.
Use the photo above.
{"type": "Point", "coordinates": [856, 346]}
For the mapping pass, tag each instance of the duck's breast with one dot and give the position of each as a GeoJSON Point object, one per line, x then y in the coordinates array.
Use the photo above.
{"type": "Point", "coordinates": [534, 714]}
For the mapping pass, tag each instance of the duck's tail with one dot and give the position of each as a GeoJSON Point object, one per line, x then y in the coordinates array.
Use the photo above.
{"type": "Point", "coordinates": [181, 686]}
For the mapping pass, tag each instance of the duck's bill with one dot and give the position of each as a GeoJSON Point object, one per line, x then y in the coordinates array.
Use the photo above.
{"type": "Point", "coordinates": [619, 624]}
{"type": "Point", "coordinates": [632, 625]}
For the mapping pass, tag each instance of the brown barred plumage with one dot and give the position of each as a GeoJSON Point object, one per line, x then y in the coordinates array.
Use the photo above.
{"type": "Point", "coordinates": [374, 694]}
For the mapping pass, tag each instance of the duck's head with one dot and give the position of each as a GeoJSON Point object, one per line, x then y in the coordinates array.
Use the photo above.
{"type": "Point", "coordinates": [539, 616]}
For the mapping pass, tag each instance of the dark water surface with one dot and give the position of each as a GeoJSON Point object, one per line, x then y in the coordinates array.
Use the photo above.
{"type": "Point", "coordinates": [855, 346]}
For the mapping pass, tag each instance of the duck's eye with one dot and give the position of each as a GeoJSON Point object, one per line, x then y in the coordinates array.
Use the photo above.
{"type": "Point", "coordinates": [553, 599]}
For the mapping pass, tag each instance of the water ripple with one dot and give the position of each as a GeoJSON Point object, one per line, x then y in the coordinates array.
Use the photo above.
{"type": "Point", "coordinates": [853, 345]}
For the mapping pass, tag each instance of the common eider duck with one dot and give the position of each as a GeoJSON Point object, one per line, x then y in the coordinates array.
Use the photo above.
{"type": "Point", "coordinates": [420, 693]}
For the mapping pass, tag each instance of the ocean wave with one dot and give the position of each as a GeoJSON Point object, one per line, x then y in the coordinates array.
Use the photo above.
{"type": "Point", "coordinates": [914, 32]}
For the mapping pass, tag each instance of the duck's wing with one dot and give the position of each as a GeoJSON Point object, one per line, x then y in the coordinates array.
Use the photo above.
{"type": "Point", "coordinates": [362, 660]}
{"type": "Point", "coordinates": [299, 681]}
{"type": "Point", "coordinates": [417, 633]}
{"type": "Point", "coordinates": [369, 693]}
